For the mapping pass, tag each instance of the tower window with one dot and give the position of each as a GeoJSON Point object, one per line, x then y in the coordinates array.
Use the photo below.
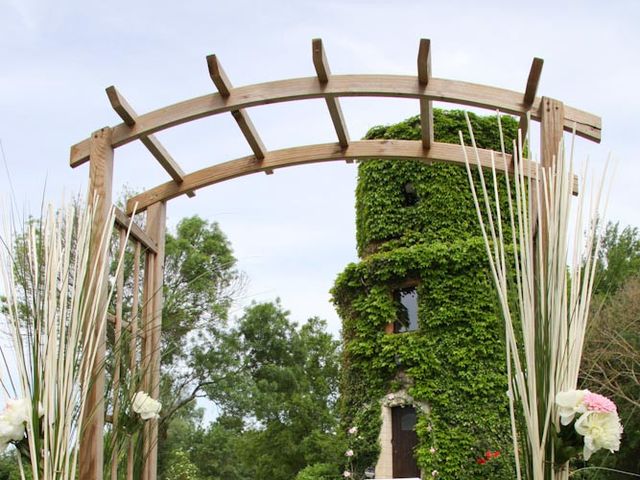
{"type": "Point", "coordinates": [407, 310]}
{"type": "Point", "coordinates": [410, 195]}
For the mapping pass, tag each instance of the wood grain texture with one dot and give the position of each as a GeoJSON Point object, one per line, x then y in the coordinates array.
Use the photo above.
{"type": "Point", "coordinates": [218, 76]}
{"type": "Point", "coordinates": [124, 222]}
{"type": "Point", "coordinates": [551, 130]}
{"type": "Point", "coordinates": [362, 150]}
{"type": "Point", "coordinates": [320, 62]}
{"type": "Point", "coordinates": [224, 86]}
{"type": "Point", "coordinates": [117, 335]}
{"type": "Point", "coordinates": [530, 92]}
{"type": "Point", "coordinates": [129, 117]}
{"type": "Point", "coordinates": [424, 61]}
{"type": "Point", "coordinates": [401, 86]}
{"type": "Point", "coordinates": [156, 229]}
{"type": "Point", "coordinates": [551, 134]}
{"type": "Point", "coordinates": [533, 81]}
{"type": "Point", "coordinates": [323, 72]}
{"type": "Point", "coordinates": [146, 354]}
{"type": "Point", "coordinates": [133, 346]}
{"type": "Point", "coordinates": [91, 456]}
{"type": "Point", "coordinates": [426, 106]}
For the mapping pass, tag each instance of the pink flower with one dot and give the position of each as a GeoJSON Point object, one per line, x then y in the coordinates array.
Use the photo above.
{"type": "Point", "coordinates": [346, 474]}
{"type": "Point", "coordinates": [353, 430]}
{"type": "Point", "coordinates": [349, 453]}
{"type": "Point", "coordinates": [598, 403]}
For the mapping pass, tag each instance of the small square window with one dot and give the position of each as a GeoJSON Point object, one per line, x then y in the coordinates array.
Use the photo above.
{"type": "Point", "coordinates": [409, 194]}
{"type": "Point", "coordinates": [407, 310]}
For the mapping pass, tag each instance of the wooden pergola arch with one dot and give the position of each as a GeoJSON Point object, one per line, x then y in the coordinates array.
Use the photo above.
{"type": "Point", "coordinates": [98, 150]}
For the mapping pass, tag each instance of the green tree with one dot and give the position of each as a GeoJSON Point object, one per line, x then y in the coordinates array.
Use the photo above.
{"type": "Point", "coordinates": [611, 358]}
{"type": "Point", "coordinates": [284, 381]}
{"type": "Point", "coordinates": [200, 283]}
{"type": "Point", "coordinates": [619, 258]}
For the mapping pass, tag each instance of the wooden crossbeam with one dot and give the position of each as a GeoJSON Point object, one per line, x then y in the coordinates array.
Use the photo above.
{"type": "Point", "coordinates": [530, 93]}
{"type": "Point", "coordinates": [129, 117]}
{"type": "Point", "coordinates": [288, 157]}
{"type": "Point", "coordinates": [587, 125]}
{"type": "Point", "coordinates": [126, 223]}
{"type": "Point", "coordinates": [426, 106]}
{"type": "Point", "coordinates": [333, 104]}
{"type": "Point", "coordinates": [248, 129]}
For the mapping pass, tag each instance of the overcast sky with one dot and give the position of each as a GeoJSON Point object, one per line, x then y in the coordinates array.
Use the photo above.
{"type": "Point", "coordinates": [293, 231]}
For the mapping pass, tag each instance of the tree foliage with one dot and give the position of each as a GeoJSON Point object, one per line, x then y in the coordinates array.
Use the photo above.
{"type": "Point", "coordinates": [611, 359]}
{"type": "Point", "coordinates": [277, 410]}
{"type": "Point", "coordinates": [619, 258]}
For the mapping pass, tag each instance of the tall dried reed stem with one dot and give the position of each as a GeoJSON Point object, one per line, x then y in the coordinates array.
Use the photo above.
{"type": "Point", "coordinates": [52, 312]}
{"type": "Point", "coordinates": [544, 279]}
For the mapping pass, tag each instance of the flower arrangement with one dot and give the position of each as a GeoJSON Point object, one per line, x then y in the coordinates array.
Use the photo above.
{"type": "Point", "coordinates": [543, 266]}
{"type": "Point", "coordinates": [50, 273]}
{"type": "Point", "coordinates": [13, 421]}
{"type": "Point", "coordinates": [589, 422]}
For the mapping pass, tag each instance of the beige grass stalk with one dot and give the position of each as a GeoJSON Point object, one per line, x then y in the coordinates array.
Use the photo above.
{"type": "Point", "coordinates": [53, 344]}
{"type": "Point", "coordinates": [545, 327]}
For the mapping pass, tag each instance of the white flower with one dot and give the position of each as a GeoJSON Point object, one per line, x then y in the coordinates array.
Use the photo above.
{"type": "Point", "coordinates": [353, 430]}
{"type": "Point", "coordinates": [349, 453]}
{"type": "Point", "coordinates": [146, 406]}
{"type": "Point", "coordinates": [346, 474]}
{"type": "Point", "coordinates": [12, 421]}
{"type": "Point", "coordinates": [432, 450]}
{"type": "Point", "coordinates": [569, 403]}
{"type": "Point", "coordinates": [600, 430]}
{"type": "Point", "coordinates": [434, 473]}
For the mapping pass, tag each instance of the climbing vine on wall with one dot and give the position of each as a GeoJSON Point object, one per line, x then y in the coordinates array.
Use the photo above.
{"type": "Point", "coordinates": [416, 223]}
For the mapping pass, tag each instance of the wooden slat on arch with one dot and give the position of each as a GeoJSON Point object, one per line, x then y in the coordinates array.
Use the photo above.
{"type": "Point", "coordinates": [366, 149]}
{"type": "Point", "coordinates": [401, 86]}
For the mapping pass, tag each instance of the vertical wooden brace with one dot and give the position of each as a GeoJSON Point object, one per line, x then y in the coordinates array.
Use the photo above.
{"type": "Point", "coordinates": [156, 229]}
{"type": "Point", "coordinates": [91, 456]}
{"type": "Point", "coordinates": [323, 72]}
{"type": "Point", "coordinates": [530, 93]}
{"type": "Point", "coordinates": [122, 245]}
{"type": "Point", "coordinates": [426, 106]}
{"type": "Point", "coordinates": [551, 133]}
{"type": "Point", "coordinates": [133, 346]}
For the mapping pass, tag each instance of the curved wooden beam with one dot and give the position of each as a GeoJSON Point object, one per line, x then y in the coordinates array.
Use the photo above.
{"type": "Point", "coordinates": [402, 86]}
{"type": "Point", "coordinates": [288, 157]}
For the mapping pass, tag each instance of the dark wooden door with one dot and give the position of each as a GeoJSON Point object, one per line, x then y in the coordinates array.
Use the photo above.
{"type": "Point", "coordinates": [404, 441]}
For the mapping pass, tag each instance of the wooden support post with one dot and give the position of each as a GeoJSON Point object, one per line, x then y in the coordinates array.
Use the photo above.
{"type": "Point", "coordinates": [551, 132]}
{"type": "Point", "coordinates": [117, 348]}
{"type": "Point", "coordinates": [91, 457]}
{"type": "Point", "coordinates": [323, 72]}
{"type": "Point", "coordinates": [156, 228]}
{"type": "Point", "coordinates": [133, 346]}
{"type": "Point", "coordinates": [426, 106]}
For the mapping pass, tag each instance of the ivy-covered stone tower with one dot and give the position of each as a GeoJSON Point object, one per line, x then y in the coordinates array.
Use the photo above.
{"type": "Point", "coordinates": [424, 375]}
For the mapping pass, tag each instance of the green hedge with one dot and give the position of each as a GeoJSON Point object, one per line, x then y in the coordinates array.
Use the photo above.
{"type": "Point", "coordinates": [456, 360]}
